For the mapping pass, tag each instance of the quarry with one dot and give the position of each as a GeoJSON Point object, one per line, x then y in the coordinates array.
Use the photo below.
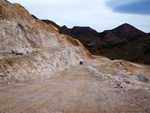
{"type": "Point", "coordinates": [41, 72]}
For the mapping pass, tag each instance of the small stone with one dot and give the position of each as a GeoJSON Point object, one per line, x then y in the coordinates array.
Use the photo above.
{"type": "Point", "coordinates": [142, 78]}
{"type": "Point", "coordinates": [81, 62]}
{"type": "Point", "coordinates": [127, 81]}
{"type": "Point", "coordinates": [1, 74]}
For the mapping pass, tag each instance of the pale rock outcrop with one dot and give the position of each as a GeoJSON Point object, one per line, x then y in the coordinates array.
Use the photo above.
{"type": "Point", "coordinates": [32, 49]}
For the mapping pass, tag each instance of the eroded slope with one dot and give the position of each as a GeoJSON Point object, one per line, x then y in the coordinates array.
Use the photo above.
{"type": "Point", "coordinates": [30, 48]}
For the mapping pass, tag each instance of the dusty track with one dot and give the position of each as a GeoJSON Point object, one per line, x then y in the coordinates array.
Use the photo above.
{"type": "Point", "coordinates": [77, 90]}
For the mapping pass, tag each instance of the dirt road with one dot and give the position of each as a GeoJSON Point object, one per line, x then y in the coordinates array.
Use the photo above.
{"type": "Point", "coordinates": [77, 90]}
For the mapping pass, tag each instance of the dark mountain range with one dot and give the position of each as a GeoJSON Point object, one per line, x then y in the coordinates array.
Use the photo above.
{"type": "Point", "coordinates": [135, 51]}
{"type": "Point", "coordinates": [123, 42]}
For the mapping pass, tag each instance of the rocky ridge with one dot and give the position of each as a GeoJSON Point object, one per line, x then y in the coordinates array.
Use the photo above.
{"type": "Point", "coordinates": [124, 39]}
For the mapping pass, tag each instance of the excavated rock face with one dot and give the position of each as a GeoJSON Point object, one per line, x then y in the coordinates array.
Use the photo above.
{"type": "Point", "coordinates": [31, 48]}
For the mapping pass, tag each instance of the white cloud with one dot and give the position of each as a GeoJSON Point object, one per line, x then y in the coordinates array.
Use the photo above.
{"type": "Point", "coordinates": [93, 13]}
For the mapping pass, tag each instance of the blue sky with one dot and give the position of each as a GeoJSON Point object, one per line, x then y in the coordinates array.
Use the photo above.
{"type": "Point", "coordinates": [140, 7]}
{"type": "Point", "coordinates": [98, 14]}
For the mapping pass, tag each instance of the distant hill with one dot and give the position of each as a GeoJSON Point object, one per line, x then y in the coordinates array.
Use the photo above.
{"type": "Point", "coordinates": [123, 42]}
{"type": "Point", "coordinates": [135, 51]}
